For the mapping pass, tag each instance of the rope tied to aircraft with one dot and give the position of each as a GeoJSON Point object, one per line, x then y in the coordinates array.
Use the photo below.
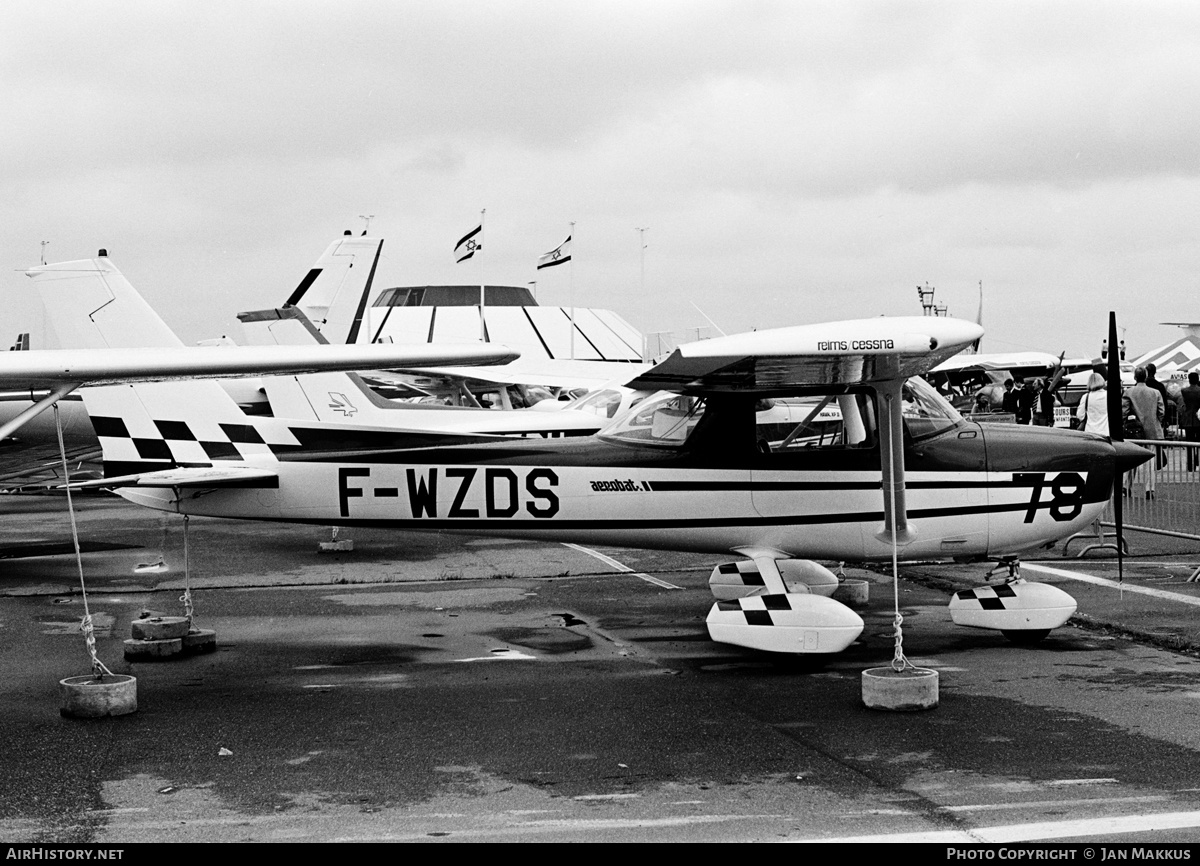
{"type": "Point", "coordinates": [900, 662]}
{"type": "Point", "coordinates": [186, 598]}
{"type": "Point", "coordinates": [86, 625]}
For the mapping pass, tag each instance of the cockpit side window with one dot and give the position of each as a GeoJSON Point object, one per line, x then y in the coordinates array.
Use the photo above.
{"type": "Point", "coordinates": [663, 420]}
{"type": "Point", "coordinates": [821, 423]}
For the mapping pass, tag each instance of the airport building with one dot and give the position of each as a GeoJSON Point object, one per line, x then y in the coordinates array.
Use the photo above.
{"type": "Point", "coordinates": [509, 315]}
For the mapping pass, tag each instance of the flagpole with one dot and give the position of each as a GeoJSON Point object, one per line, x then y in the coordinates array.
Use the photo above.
{"type": "Point", "coordinates": [642, 243]}
{"type": "Point", "coordinates": [571, 289]}
{"type": "Point", "coordinates": [482, 282]}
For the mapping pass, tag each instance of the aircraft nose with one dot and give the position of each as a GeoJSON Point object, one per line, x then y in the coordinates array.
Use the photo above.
{"type": "Point", "coordinates": [1130, 456]}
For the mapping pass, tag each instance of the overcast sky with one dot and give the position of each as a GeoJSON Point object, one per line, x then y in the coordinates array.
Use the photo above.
{"type": "Point", "coordinates": [795, 162]}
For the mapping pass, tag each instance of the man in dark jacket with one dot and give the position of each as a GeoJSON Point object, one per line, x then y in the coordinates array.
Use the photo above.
{"type": "Point", "coordinates": [1188, 404]}
{"type": "Point", "coordinates": [1009, 403]}
{"type": "Point", "coordinates": [1025, 398]}
{"type": "Point", "coordinates": [1152, 381]}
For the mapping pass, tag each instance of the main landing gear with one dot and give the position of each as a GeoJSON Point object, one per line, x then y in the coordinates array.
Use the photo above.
{"type": "Point", "coordinates": [1023, 612]}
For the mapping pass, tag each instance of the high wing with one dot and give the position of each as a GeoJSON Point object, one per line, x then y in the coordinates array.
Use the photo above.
{"type": "Point", "coordinates": [783, 360]}
{"type": "Point", "coordinates": [111, 356]}
{"type": "Point", "coordinates": [50, 368]}
{"type": "Point", "coordinates": [999, 361]}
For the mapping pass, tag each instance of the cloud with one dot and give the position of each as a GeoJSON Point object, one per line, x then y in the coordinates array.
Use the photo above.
{"type": "Point", "coordinates": [784, 153]}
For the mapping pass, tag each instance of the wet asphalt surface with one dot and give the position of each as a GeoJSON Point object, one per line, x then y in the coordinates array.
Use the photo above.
{"type": "Point", "coordinates": [435, 688]}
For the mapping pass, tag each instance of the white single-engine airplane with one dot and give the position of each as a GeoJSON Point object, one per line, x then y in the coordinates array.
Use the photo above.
{"type": "Point", "coordinates": [896, 471]}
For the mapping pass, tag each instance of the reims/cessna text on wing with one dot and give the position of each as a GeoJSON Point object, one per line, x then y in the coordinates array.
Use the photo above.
{"type": "Point", "coordinates": [692, 469]}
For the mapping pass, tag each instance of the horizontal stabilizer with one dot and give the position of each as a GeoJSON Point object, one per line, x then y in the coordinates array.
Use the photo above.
{"type": "Point", "coordinates": [190, 476]}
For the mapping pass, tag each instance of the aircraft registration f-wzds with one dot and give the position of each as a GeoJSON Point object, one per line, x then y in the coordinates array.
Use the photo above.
{"type": "Point", "coordinates": [696, 468]}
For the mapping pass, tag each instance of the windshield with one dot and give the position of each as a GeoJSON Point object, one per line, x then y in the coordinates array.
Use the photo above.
{"type": "Point", "coordinates": [845, 420]}
{"type": "Point", "coordinates": [665, 419]}
{"type": "Point", "coordinates": [926, 412]}
{"type": "Point", "coordinates": [605, 403]}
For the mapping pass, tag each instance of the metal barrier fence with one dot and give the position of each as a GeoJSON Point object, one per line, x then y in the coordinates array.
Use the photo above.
{"type": "Point", "coordinates": [1163, 495]}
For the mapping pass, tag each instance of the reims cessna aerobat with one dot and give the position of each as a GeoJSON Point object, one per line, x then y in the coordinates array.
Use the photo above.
{"type": "Point", "coordinates": [878, 463]}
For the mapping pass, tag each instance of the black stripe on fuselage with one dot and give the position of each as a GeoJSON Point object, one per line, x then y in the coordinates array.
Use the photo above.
{"type": "Point", "coordinates": [1018, 481]}
{"type": "Point", "coordinates": [600, 525]}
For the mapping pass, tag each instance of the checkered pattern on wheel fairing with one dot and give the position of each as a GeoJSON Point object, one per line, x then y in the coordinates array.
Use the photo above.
{"type": "Point", "coordinates": [989, 597]}
{"type": "Point", "coordinates": [748, 572]}
{"type": "Point", "coordinates": [757, 608]}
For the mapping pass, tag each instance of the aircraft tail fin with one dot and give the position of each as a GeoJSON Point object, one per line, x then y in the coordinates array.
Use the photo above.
{"type": "Point", "coordinates": [150, 426]}
{"type": "Point", "coordinates": [90, 305]}
{"type": "Point", "coordinates": [21, 344]}
{"type": "Point", "coordinates": [334, 293]}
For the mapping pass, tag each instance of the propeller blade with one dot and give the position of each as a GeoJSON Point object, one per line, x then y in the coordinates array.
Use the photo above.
{"type": "Point", "coordinates": [1116, 432]}
{"type": "Point", "coordinates": [1057, 378]}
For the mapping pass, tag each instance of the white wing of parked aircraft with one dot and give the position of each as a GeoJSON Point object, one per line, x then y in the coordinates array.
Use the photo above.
{"type": "Point", "coordinates": [999, 361]}
{"type": "Point", "coordinates": [345, 398]}
{"type": "Point", "coordinates": [107, 317]}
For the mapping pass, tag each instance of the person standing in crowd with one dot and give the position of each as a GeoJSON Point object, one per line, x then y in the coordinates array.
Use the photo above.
{"type": "Point", "coordinates": [1168, 403]}
{"type": "Point", "coordinates": [1188, 404]}
{"type": "Point", "coordinates": [1146, 404]}
{"type": "Point", "coordinates": [1025, 401]}
{"type": "Point", "coordinates": [1093, 408]}
{"type": "Point", "coordinates": [1009, 403]}
{"type": "Point", "coordinates": [1043, 406]}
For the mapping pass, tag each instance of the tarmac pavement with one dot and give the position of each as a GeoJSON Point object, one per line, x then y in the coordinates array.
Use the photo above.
{"type": "Point", "coordinates": [434, 688]}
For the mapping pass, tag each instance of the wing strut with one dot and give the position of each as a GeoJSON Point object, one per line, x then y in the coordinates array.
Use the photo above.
{"type": "Point", "coordinates": [891, 456]}
{"type": "Point", "coordinates": [36, 409]}
{"type": "Point", "coordinates": [895, 515]}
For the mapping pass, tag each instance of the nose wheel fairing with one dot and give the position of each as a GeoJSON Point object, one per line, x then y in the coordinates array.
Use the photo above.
{"type": "Point", "coordinates": [1012, 607]}
{"type": "Point", "coordinates": [1024, 612]}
